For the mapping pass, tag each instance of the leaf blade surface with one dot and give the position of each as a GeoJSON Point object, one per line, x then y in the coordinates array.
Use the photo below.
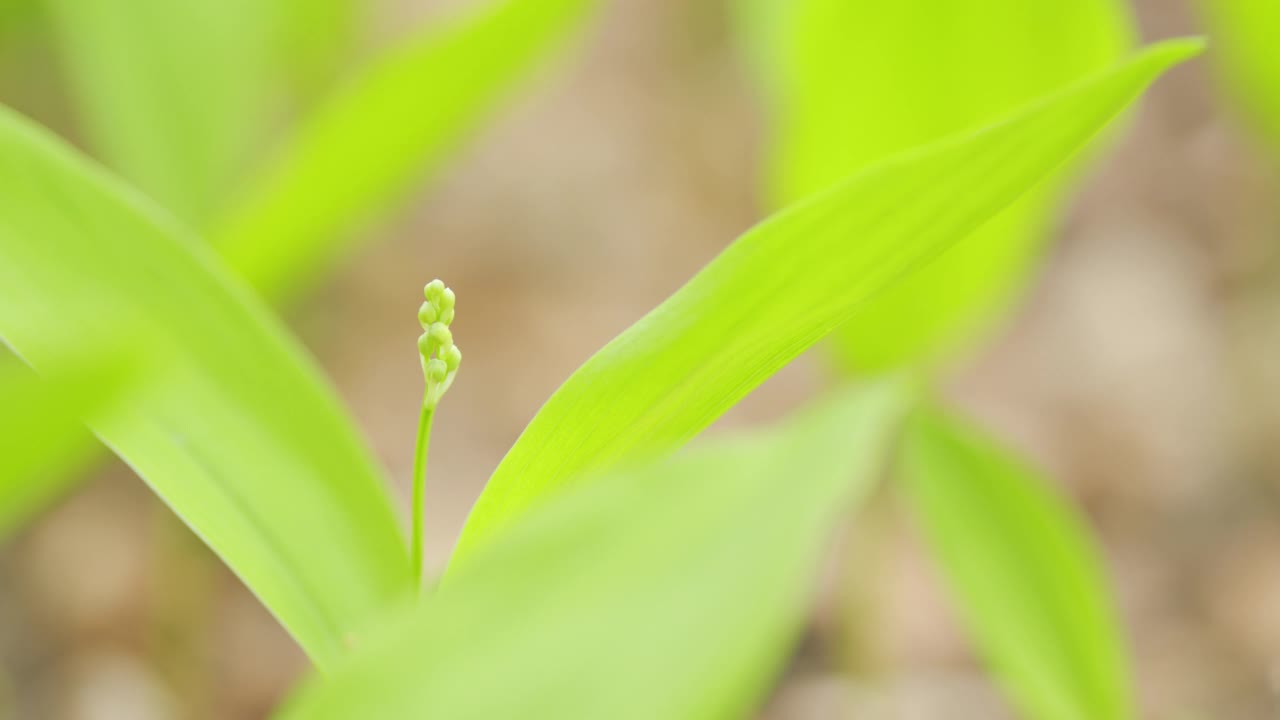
{"type": "Point", "coordinates": [854, 81]}
{"type": "Point", "coordinates": [786, 284]}
{"type": "Point", "coordinates": [666, 590]}
{"type": "Point", "coordinates": [395, 121]}
{"type": "Point", "coordinates": [1023, 570]}
{"type": "Point", "coordinates": [233, 425]}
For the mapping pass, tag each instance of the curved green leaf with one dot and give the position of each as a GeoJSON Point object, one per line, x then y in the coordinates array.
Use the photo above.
{"type": "Point", "coordinates": [856, 81]}
{"type": "Point", "coordinates": [389, 126]}
{"type": "Point", "coordinates": [425, 95]}
{"type": "Point", "coordinates": [171, 92]}
{"type": "Point", "coordinates": [1244, 36]}
{"type": "Point", "coordinates": [1026, 576]}
{"type": "Point", "coordinates": [232, 425]}
{"type": "Point", "coordinates": [44, 440]}
{"type": "Point", "coordinates": [672, 590]}
{"type": "Point", "coordinates": [785, 284]}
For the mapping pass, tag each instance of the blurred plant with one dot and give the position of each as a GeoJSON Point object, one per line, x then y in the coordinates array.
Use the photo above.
{"type": "Point", "coordinates": [912, 74]}
{"type": "Point", "coordinates": [175, 94]}
{"type": "Point", "coordinates": [1244, 34]}
{"type": "Point", "coordinates": [701, 559]}
{"type": "Point", "coordinates": [1027, 576]}
{"type": "Point", "coordinates": [43, 436]}
{"type": "Point", "coordinates": [670, 589]}
{"type": "Point", "coordinates": [1027, 579]}
{"type": "Point", "coordinates": [178, 95]}
{"type": "Point", "coordinates": [388, 125]}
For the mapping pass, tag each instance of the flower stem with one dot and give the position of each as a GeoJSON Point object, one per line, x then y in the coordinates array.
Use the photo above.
{"type": "Point", "coordinates": [440, 360]}
{"type": "Point", "coordinates": [419, 490]}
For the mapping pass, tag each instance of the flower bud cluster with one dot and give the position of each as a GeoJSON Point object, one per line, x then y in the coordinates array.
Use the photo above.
{"type": "Point", "coordinates": [440, 357]}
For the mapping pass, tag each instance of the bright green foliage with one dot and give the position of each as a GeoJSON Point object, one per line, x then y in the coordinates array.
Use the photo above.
{"type": "Point", "coordinates": [16, 13]}
{"type": "Point", "coordinates": [232, 425]}
{"type": "Point", "coordinates": [44, 440]}
{"type": "Point", "coordinates": [1244, 35]}
{"type": "Point", "coordinates": [673, 590]}
{"type": "Point", "coordinates": [1021, 565]}
{"type": "Point", "coordinates": [391, 124]}
{"type": "Point", "coordinates": [785, 284]}
{"type": "Point", "coordinates": [171, 92]}
{"type": "Point", "coordinates": [311, 38]}
{"type": "Point", "coordinates": [855, 81]}
{"type": "Point", "coordinates": [174, 94]}
{"type": "Point", "coordinates": [176, 110]}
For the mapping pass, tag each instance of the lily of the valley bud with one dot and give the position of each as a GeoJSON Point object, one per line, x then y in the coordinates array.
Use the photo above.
{"type": "Point", "coordinates": [440, 357]}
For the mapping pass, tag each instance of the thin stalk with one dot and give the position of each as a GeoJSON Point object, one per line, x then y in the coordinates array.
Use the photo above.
{"type": "Point", "coordinates": [440, 359]}
{"type": "Point", "coordinates": [419, 490]}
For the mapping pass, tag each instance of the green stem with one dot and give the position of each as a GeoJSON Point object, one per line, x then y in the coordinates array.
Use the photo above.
{"type": "Point", "coordinates": [419, 490]}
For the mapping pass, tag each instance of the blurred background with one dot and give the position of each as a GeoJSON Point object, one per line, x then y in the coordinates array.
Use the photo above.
{"type": "Point", "coordinates": [1142, 371]}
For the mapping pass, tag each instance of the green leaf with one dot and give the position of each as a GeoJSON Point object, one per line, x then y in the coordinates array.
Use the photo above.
{"type": "Point", "coordinates": [391, 124]}
{"type": "Point", "coordinates": [232, 424]}
{"type": "Point", "coordinates": [1243, 33]}
{"type": "Point", "coordinates": [44, 440]}
{"type": "Point", "coordinates": [1026, 576]}
{"type": "Point", "coordinates": [171, 92]}
{"type": "Point", "coordinates": [785, 284]}
{"type": "Point", "coordinates": [16, 15]}
{"type": "Point", "coordinates": [672, 590]}
{"type": "Point", "coordinates": [313, 37]}
{"type": "Point", "coordinates": [855, 81]}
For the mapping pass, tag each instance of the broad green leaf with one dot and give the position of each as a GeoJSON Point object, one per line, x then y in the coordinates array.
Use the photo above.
{"type": "Point", "coordinates": [16, 14]}
{"type": "Point", "coordinates": [232, 425]}
{"type": "Point", "coordinates": [1022, 568]}
{"type": "Point", "coordinates": [390, 125]}
{"type": "Point", "coordinates": [855, 81]}
{"type": "Point", "coordinates": [43, 439]}
{"type": "Point", "coordinates": [1244, 35]}
{"type": "Point", "coordinates": [313, 37]}
{"type": "Point", "coordinates": [171, 92]}
{"type": "Point", "coordinates": [671, 590]}
{"type": "Point", "coordinates": [785, 284]}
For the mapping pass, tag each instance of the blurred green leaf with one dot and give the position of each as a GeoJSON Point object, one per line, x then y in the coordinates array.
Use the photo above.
{"type": "Point", "coordinates": [1244, 34]}
{"type": "Point", "coordinates": [1023, 570]}
{"type": "Point", "coordinates": [388, 127]}
{"type": "Point", "coordinates": [136, 102]}
{"type": "Point", "coordinates": [671, 590]}
{"type": "Point", "coordinates": [854, 81]}
{"type": "Point", "coordinates": [233, 425]}
{"type": "Point", "coordinates": [16, 14]}
{"type": "Point", "coordinates": [44, 440]}
{"type": "Point", "coordinates": [171, 92]}
{"type": "Point", "coordinates": [313, 37]}
{"type": "Point", "coordinates": [785, 284]}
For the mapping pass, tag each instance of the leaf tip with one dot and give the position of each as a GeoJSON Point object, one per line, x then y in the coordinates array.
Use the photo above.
{"type": "Point", "coordinates": [1177, 50]}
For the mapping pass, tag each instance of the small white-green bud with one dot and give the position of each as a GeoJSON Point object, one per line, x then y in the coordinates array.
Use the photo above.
{"type": "Point", "coordinates": [427, 314]}
{"type": "Point", "coordinates": [437, 371]}
{"type": "Point", "coordinates": [441, 334]}
{"type": "Point", "coordinates": [440, 357]}
{"type": "Point", "coordinates": [452, 357]}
